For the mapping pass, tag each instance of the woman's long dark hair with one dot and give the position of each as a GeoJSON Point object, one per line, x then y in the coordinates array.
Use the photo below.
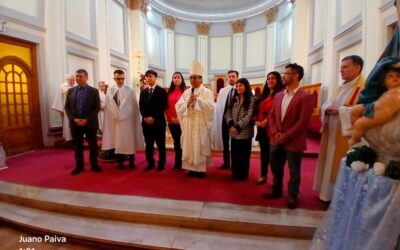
{"type": "Point", "coordinates": [267, 92]}
{"type": "Point", "coordinates": [246, 95]}
{"type": "Point", "coordinates": [182, 87]}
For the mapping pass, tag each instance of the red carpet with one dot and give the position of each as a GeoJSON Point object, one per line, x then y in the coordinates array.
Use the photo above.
{"type": "Point", "coordinates": [51, 168]}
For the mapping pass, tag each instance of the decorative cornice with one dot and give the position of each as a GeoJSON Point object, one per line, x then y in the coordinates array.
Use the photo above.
{"type": "Point", "coordinates": [170, 22]}
{"type": "Point", "coordinates": [202, 28]}
{"type": "Point", "coordinates": [133, 4]}
{"type": "Point", "coordinates": [138, 5]}
{"type": "Point", "coordinates": [253, 10]}
{"type": "Point", "coordinates": [272, 14]}
{"type": "Point", "coordinates": [238, 26]}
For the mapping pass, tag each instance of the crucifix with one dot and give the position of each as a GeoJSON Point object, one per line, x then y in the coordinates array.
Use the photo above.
{"type": "Point", "coordinates": [139, 56]}
{"type": "Point", "coordinates": [142, 79]}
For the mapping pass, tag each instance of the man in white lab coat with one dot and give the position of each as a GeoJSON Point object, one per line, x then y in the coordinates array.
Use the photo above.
{"type": "Point", "coordinates": [122, 130]}
{"type": "Point", "coordinates": [59, 103]}
{"type": "Point", "coordinates": [102, 94]}
{"type": "Point", "coordinates": [221, 128]}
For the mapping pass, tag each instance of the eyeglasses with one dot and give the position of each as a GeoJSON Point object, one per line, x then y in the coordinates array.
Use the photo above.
{"type": "Point", "coordinates": [194, 77]}
{"type": "Point", "coordinates": [119, 78]}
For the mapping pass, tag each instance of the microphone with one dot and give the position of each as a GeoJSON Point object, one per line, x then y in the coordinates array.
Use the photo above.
{"type": "Point", "coordinates": [192, 104]}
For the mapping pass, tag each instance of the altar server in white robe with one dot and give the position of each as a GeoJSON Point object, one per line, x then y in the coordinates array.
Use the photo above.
{"type": "Point", "coordinates": [122, 129]}
{"type": "Point", "coordinates": [102, 94]}
{"type": "Point", "coordinates": [195, 110]}
{"type": "Point", "coordinates": [59, 103]}
{"type": "Point", "coordinates": [221, 128]}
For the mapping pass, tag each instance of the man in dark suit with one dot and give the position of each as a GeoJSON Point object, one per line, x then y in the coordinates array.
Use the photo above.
{"type": "Point", "coordinates": [152, 103]}
{"type": "Point", "coordinates": [288, 122]}
{"type": "Point", "coordinates": [82, 106]}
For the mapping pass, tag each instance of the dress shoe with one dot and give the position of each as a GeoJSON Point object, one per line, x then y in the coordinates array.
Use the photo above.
{"type": "Point", "coordinates": [201, 175]}
{"type": "Point", "coordinates": [149, 167]}
{"type": "Point", "coordinates": [272, 195]}
{"type": "Point", "coordinates": [239, 178]}
{"type": "Point", "coordinates": [191, 174]}
{"type": "Point", "coordinates": [224, 166]}
{"type": "Point", "coordinates": [292, 202]}
{"type": "Point", "coordinates": [131, 161]}
{"type": "Point", "coordinates": [178, 165]}
{"type": "Point", "coordinates": [160, 168]}
{"type": "Point", "coordinates": [261, 180]}
{"type": "Point", "coordinates": [77, 171]}
{"type": "Point", "coordinates": [96, 169]}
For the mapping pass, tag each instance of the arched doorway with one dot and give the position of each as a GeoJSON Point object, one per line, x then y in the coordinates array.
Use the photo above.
{"type": "Point", "coordinates": [20, 126]}
{"type": "Point", "coordinates": [220, 84]}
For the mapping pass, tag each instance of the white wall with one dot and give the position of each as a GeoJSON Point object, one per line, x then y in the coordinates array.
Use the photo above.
{"type": "Point", "coordinates": [116, 24]}
{"type": "Point", "coordinates": [28, 7]}
{"type": "Point", "coordinates": [185, 51]}
{"type": "Point", "coordinates": [70, 34]}
{"type": "Point", "coordinates": [220, 53]}
{"type": "Point", "coordinates": [350, 27]}
{"type": "Point", "coordinates": [255, 49]}
{"type": "Point", "coordinates": [153, 45]}
{"type": "Point", "coordinates": [79, 22]}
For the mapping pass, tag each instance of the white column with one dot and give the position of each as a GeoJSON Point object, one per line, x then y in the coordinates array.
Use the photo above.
{"type": "Point", "coordinates": [330, 68]}
{"type": "Point", "coordinates": [237, 63]}
{"type": "Point", "coordinates": [271, 47]}
{"type": "Point", "coordinates": [300, 31]}
{"type": "Point", "coordinates": [371, 33]}
{"type": "Point", "coordinates": [137, 39]}
{"type": "Point", "coordinates": [103, 43]}
{"type": "Point", "coordinates": [55, 45]}
{"type": "Point", "coordinates": [169, 55]}
{"type": "Point", "coordinates": [202, 55]}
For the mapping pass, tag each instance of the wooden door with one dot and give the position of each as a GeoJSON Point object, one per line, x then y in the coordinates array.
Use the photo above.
{"type": "Point", "coordinates": [20, 126]}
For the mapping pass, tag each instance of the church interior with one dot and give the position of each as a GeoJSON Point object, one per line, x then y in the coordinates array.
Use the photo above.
{"type": "Point", "coordinates": [42, 41]}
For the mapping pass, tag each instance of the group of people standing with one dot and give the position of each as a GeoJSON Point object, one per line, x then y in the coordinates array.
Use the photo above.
{"type": "Point", "coordinates": [197, 124]}
{"type": "Point", "coordinates": [281, 115]}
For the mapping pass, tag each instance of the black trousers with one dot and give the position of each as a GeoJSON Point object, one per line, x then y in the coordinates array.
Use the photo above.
{"type": "Point", "coordinates": [77, 133]}
{"type": "Point", "coordinates": [225, 140]}
{"type": "Point", "coordinates": [176, 133]}
{"type": "Point", "coordinates": [154, 133]}
{"type": "Point", "coordinates": [279, 155]}
{"type": "Point", "coordinates": [240, 155]}
{"type": "Point", "coordinates": [263, 140]}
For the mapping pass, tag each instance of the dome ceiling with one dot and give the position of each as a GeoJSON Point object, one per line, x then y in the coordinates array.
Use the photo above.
{"type": "Point", "coordinates": [213, 10]}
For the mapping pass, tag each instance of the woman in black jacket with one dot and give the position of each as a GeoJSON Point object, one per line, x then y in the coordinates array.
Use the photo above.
{"type": "Point", "coordinates": [241, 129]}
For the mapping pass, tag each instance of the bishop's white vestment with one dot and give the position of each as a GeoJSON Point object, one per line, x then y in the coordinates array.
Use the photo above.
{"type": "Point", "coordinates": [196, 123]}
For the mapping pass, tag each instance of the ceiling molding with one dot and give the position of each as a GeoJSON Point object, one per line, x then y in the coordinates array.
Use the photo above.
{"type": "Point", "coordinates": [213, 10]}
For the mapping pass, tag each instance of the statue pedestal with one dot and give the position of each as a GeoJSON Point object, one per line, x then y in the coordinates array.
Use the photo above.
{"type": "Point", "coordinates": [364, 213]}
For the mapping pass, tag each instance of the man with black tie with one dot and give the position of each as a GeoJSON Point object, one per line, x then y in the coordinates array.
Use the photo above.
{"type": "Point", "coordinates": [82, 106]}
{"type": "Point", "coordinates": [152, 103]}
{"type": "Point", "coordinates": [221, 128]}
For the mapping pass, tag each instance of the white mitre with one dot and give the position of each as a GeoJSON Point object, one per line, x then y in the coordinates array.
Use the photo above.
{"type": "Point", "coordinates": [195, 68]}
